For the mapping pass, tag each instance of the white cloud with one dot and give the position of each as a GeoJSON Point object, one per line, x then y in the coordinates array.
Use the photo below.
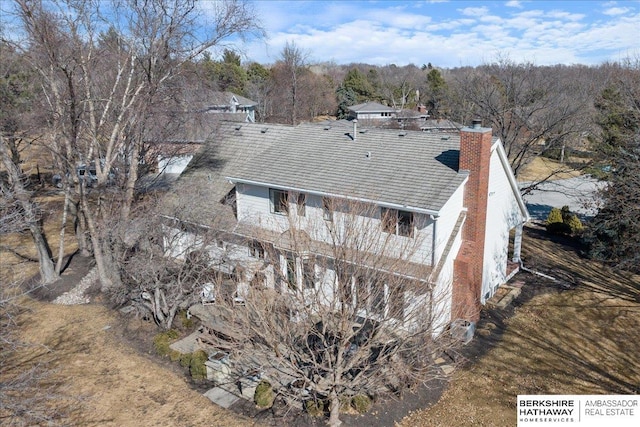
{"type": "Point", "coordinates": [447, 36]}
{"type": "Point", "coordinates": [474, 11]}
{"type": "Point", "coordinates": [514, 3]}
{"type": "Point", "coordinates": [615, 11]}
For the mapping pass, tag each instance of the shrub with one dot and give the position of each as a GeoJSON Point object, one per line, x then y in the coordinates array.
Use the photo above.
{"type": "Point", "coordinates": [197, 368]}
{"type": "Point", "coordinates": [187, 323]}
{"type": "Point", "coordinates": [563, 221]}
{"type": "Point", "coordinates": [555, 216]}
{"type": "Point", "coordinates": [314, 407]}
{"type": "Point", "coordinates": [345, 403]}
{"type": "Point", "coordinates": [264, 395]}
{"type": "Point", "coordinates": [361, 403]}
{"type": "Point", "coordinates": [162, 340]}
{"type": "Point", "coordinates": [185, 360]}
{"type": "Point", "coordinates": [575, 224]}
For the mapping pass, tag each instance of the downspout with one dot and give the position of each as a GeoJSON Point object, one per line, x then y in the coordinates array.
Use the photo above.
{"type": "Point", "coordinates": [537, 273]}
{"type": "Point", "coordinates": [433, 242]}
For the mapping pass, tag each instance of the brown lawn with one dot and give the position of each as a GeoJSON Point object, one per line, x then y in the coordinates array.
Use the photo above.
{"type": "Point", "coordinates": [542, 167]}
{"type": "Point", "coordinates": [580, 341]}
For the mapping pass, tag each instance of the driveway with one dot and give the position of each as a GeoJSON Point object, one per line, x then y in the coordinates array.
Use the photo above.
{"type": "Point", "coordinates": [579, 193]}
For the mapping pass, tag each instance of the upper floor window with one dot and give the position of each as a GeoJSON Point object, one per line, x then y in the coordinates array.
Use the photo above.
{"type": "Point", "coordinates": [279, 201]}
{"type": "Point", "coordinates": [327, 209]}
{"type": "Point", "coordinates": [398, 222]}
{"type": "Point", "coordinates": [301, 203]}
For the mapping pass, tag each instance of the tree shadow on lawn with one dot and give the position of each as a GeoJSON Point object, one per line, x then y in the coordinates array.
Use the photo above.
{"type": "Point", "coordinates": [578, 339]}
{"type": "Point", "coordinates": [562, 257]}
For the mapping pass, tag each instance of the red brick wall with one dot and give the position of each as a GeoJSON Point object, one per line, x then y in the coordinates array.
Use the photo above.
{"type": "Point", "coordinates": [475, 156]}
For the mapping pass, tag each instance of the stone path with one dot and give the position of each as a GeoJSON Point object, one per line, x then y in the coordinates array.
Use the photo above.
{"type": "Point", "coordinates": [76, 295]}
{"type": "Point", "coordinates": [221, 397]}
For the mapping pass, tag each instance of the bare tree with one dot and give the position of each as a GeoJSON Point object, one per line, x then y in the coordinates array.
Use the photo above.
{"type": "Point", "coordinates": [324, 323]}
{"type": "Point", "coordinates": [167, 265]}
{"type": "Point", "coordinates": [288, 72]}
{"type": "Point", "coordinates": [528, 107]}
{"type": "Point", "coordinates": [399, 85]}
{"type": "Point", "coordinates": [25, 212]}
{"type": "Point", "coordinates": [105, 67]}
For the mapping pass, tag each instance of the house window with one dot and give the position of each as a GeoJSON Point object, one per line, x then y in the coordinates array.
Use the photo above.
{"type": "Point", "coordinates": [256, 249]}
{"type": "Point", "coordinates": [397, 222]}
{"type": "Point", "coordinates": [327, 209]}
{"type": "Point", "coordinates": [301, 202]}
{"type": "Point", "coordinates": [279, 201]}
{"type": "Point", "coordinates": [291, 272]}
{"type": "Point", "coordinates": [309, 274]}
{"type": "Point", "coordinates": [377, 297]}
{"type": "Point", "coordinates": [396, 301]}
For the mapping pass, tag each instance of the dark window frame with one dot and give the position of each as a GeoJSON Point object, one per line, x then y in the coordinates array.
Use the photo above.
{"type": "Point", "coordinates": [327, 209]}
{"type": "Point", "coordinates": [279, 201]}
{"type": "Point", "coordinates": [398, 222]}
{"type": "Point", "coordinates": [301, 203]}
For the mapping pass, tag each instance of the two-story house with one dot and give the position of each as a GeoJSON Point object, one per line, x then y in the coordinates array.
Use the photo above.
{"type": "Point", "coordinates": [234, 107]}
{"type": "Point", "coordinates": [445, 205]}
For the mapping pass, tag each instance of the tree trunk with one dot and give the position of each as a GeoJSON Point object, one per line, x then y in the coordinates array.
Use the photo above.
{"type": "Point", "coordinates": [47, 270]}
{"type": "Point", "coordinates": [131, 182]}
{"type": "Point", "coordinates": [107, 271]}
{"type": "Point", "coordinates": [63, 226]}
{"type": "Point", "coordinates": [80, 228]}
{"type": "Point", "coordinates": [48, 273]}
{"type": "Point", "coordinates": [334, 409]}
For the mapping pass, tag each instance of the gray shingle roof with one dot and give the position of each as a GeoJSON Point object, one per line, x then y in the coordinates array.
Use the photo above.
{"type": "Point", "coordinates": [224, 98]}
{"type": "Point", "coordinates": [417, 171]}
{"type": "Point", "coordinates": [371, 107]}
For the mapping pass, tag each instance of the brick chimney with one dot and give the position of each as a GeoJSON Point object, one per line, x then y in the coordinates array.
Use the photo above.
{"type": "Point", "coordinates": [475, 155]}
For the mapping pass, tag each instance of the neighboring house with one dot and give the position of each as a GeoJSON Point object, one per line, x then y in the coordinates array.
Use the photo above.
{"type": "Point", "coordinates": [440, 125]}
{"type": "Point", "coordinates": [174, 156]}
{"type": "Point", "coordinates": [452, 196]}
{"type": "Point", "coordinates": [234, 107]}
{"type": "Point", "coordinates": [371, 111]}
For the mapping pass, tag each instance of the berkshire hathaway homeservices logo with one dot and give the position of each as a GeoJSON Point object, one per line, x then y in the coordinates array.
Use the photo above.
{"type": "Point", "coordinates": [581, 410]}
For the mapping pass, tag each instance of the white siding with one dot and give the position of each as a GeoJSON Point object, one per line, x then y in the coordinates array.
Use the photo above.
{"type": "Point", "coordinates": [446, 222]}
{"type": "Point", "coordinates": [254, 207]}
{"type": "Point", "coordinates": [503, 214]}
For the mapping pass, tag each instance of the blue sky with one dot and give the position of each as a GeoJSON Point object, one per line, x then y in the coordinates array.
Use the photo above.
{"type": "Point", "coordinates": [450, 33]}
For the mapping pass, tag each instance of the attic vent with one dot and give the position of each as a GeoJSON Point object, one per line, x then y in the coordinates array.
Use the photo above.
{"type": "Point", "coordinates": [445, 138]}
{"type": "Point", "coordinates": [402, 134]}
{"type": "Point", "coordinates": [367, 154]}
{"type": "Point", "coordinates": [363, 130]}
{"type": "Point", "coordinates": [264, 130]}
{"type": "Point", "coordinates": [327, 127]}
{"type": "Point", "coordinates": [238, 127]}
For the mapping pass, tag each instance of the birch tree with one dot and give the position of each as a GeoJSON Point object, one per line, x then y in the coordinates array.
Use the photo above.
{"type": "Point", "coordinates": [106, 68]}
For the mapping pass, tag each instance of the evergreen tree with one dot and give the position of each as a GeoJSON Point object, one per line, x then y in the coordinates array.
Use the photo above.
{"type": "Point", "coordinates": [437, 92]}
{"type": "Point", "coordinates": [614, 234]}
